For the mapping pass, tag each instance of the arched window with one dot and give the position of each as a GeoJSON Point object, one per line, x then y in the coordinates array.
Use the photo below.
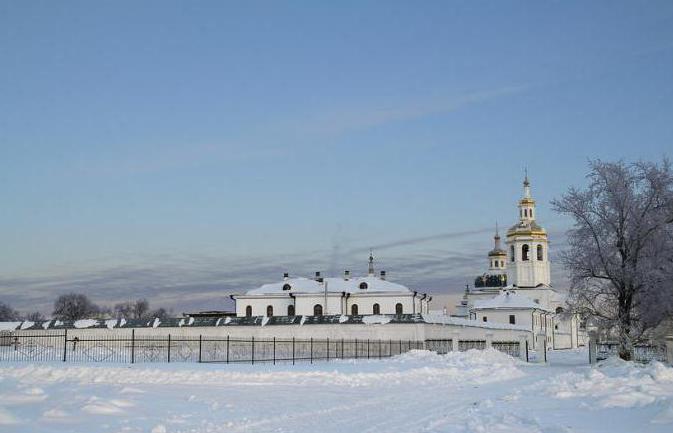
{"type": "Point", "coordinates": [286, 287]}
{"type": "Point", "coordinates": [317, 310]}
{"type": "Point", "coordinates": [540, 255]}
{"type": "Point", "coordinates": [524, 252]}
{"type": "Point", "coordinates": [354, 310]}
{"type": "Point", "coordinates": [399, 309]}
{"type": "Point", "coordinates": [502, 263]}
{"type": "Point", "coordinates": [290, 310]}
{"type": "Point", "coordinates": [248, 311]}
{"type": "Point", "coordinates": [376, 309]}
{"type": "Point", "coordinates": [512, 256]}
{"type": "Point", "coordinates": [530, 213]}
{"type": "Point", "coordinates": [525, 212]}
{"type": "Point", "coordinates": [363, 285]}
{"type": "Point", "coordinates": [269, 310]}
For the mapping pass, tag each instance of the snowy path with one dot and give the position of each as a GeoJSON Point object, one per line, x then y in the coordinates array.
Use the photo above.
{"type": "Point", "coordinates": [417, 392]}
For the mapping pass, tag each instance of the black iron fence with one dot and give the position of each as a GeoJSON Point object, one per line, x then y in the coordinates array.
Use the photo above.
{"type": "Point", "coordinates": [136, 349]}
{"type": "Point", "coordinates": [641, 353]}
{"type": "Point", "coordinates": [139, 349]}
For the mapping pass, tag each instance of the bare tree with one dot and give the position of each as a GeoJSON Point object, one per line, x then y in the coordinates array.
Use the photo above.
{"type": "Point", "coordinates": [132, 310]}
{"type": "Point", "coordinates": [620, 251]}
{"type": "Point", "coordinates": [7, 313]}
{"type": "Point", "coordinates": [35, 316]}
{"type": "Point", "coordinates": [74, 306]}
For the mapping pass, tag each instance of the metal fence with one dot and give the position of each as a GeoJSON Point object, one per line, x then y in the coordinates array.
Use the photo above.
{"type": "Point", "coordinates": [136, 349]}
{"type": "Point", "coordinates": [641, 353]}
{"type": "Point", "coordinates": [139, 349]}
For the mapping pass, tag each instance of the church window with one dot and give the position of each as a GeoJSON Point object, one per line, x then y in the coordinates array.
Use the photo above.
{"type": "Point", "coordinates": [248, 311]}
{"type": "Point", "coordinates": [525, 212]}
{"type": "Point", "coordinates": [524, 252]}
{"type": "Point", "coordinates": [512, 319]}
{"type": "Point", "coordinates": [398, 308]}
{"type": "Point", "coordinates": [317, 310]}
{"type": "Point", "coordinates": [376, 309]}
{"type": "Point", "coordinates": [286, 287]}
{"type": "Point", "coordinates": [502, 263]}
{"type": "Point", "coordinates": [290, 310]}
{"type": "Point", "coordinates": [530, 212]}
{"type": "Point", "coordinates": [540, 253]}
{"type": "Point", "coordinates": [511, 253]}
{"type": "Point", "coordinates": [269, 311]}
{"type": "Point", "coordinates": [354, 310]}
{"type": "Point", "coordinates": [483, 318]}
{"type": "Point", "coordinates": [363, 286]}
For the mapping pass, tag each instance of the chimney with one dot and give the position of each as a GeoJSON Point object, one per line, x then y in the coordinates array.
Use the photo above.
{"type": "Point", "coordinates": [347, 274]}
{"type": "Point", "coordinates": [383, 275]}
{"type": "Point", "coordinates": [286, 275]}
{"type": "Point", "coordinates": [318, 278]}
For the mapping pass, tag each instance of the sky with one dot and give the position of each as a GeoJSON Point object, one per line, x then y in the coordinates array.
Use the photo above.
{"type": "Point", "coordinates": [183, 151]}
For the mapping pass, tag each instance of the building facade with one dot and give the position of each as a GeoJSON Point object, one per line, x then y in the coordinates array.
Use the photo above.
{"type": "Point", "coordinates": [367, 295]}
{"type": "Point", "coordinates": [517, 285]}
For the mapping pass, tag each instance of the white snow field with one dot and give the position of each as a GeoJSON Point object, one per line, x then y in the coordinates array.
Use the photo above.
{"type": "Point", "coordinates": [474, 391]}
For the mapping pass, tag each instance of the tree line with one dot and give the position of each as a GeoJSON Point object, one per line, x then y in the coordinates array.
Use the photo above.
{"type": "Point", "coordinates": [76, 306]}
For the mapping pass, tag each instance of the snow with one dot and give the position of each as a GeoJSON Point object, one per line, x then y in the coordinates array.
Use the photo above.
{"type": "Point", "coordinates": [9, 326]}
{"type": "Point", "coordinates": [111, 323]}
{"type": "Point", "coordinates": [475, 391]}
{"type": "Point", "coordinates": [343, 318]}
{"type": "Point", "coordinates": [45, 325]}
{"type": "Point", "coordinates": [156, 322]}
{"type": "Point", "coordinates": [27, 324]}
{"type": "Point", "coordinates": [508, 300]}
{"type": "Point", "coordinates": [376, 320]}
{"type": "Point", "coordinates": [334, 285]}
{"type": "Point", "coordinates": [191, 321]}
{"type": "Point", "coordinates": [85, 323]}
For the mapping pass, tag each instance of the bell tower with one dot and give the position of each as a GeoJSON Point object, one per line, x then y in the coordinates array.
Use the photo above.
{"type": "Point", "coordinates": [527, 246]}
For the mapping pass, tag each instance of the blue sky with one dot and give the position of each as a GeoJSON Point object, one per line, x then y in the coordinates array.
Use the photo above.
{"type": "Point", "coordinates": [183, 150]}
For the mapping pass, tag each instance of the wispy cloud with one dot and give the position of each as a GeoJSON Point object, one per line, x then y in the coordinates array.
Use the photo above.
{"type": "Point", "coordinates": [345, 120]}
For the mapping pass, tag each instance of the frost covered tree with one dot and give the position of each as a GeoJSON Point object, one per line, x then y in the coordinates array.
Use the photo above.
{"type": "Point", "coordinates": [620, 255]}
{"type": "Point", "coordinates": [74, 306]}
{"type": "Point", "coordinates": [7, 313]}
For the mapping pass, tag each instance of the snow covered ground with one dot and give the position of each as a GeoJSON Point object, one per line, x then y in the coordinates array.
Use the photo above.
{"type": "Point", "coordinates": [475, 391]}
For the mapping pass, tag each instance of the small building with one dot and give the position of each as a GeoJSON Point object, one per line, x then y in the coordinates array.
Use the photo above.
{"type": "Point", "coordinates": [514, 309]}
{"type": "Point", "coordinates": [318, 296]}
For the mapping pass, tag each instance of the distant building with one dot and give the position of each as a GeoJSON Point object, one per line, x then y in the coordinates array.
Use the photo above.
{"type": "Point", "coordinates": [318, 296]}
{"type": "Point", "coordinates": [517, 286]}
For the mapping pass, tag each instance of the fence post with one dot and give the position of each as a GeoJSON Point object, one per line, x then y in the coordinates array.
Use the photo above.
{"type": "Point", "coordinates": [292, 350]}
{"type": "Point", "coordinates": [368, 348]}
{"type": "Point", "coordinates": [593, 337]}
{"type": "Point", "coordinates": [342, 349]}
{"type": "Point", "coordinates": [489, 340]}
{"type": "Point", "coordinates": [252, 355]}
{"type": "Point", "coordinates": [669, 349]}
{"type": "Point", "coordinates": [311, 350]}
{"type": "Point", "coordinates": [65, 344]}
{"type": "Point", "coordinates": [400, 347]}
{"type": "Point", "coordinates": [379, 349]}
{"type": "Point", "coordinates": [169, 348]}
{"type": "Point", "coordinates": [133, 346]}
{"type": "Point", "coordinates": [523, 352]}
{"type": "Point", "coordinates": [274, 350]}
{"type": "Point", "coordinates": [527, 357]}
{"type": "Point", "coordinates": [328, 348]}
{"type": "Point", "coordinates": [356, 348]}
{"type": "Point", "coordinates": [200, 339]}
{"type": "Point", "coordinates": [227, 349]}
{"type": "Point", "coordinates": [390, 348]}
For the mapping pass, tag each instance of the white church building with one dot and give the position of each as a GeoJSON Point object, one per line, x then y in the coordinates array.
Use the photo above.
{"type": "Point", "coordinates": [517, 288]}
{"type": "Point", "coordinates": [349, 295]}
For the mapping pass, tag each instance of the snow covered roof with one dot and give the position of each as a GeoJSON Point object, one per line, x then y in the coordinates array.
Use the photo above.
{"type": "Point", "coordinates": [508, 299]}
{"type": "Point", "coordinates": [351, 285]}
